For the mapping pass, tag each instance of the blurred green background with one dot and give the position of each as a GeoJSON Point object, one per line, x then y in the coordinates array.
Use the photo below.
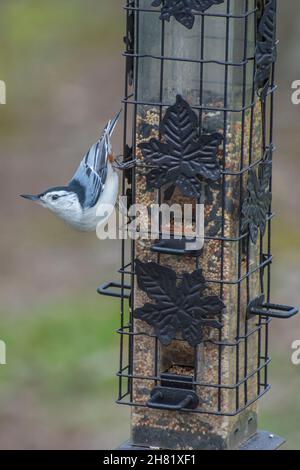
{"type": "Point", "coordinates": [62, 64]}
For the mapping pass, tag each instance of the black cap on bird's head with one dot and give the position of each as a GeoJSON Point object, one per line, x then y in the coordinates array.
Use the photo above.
{"type": "Point", "coordinates": [51, 193]}
{"type": "Point", "coordinates": [63, 201]}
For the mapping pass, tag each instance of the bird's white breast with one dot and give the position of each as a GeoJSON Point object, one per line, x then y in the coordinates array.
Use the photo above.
{"type": "Point", "coordinates": [98, 214]}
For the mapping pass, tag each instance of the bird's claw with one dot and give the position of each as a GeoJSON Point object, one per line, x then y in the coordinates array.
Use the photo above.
{"type": "Point", "coordinates": [121, 165]}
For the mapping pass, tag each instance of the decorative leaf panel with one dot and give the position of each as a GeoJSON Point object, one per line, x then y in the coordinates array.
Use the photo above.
{"type": "Point", "coordinates": [266, 50]}
{"type": "Point", "coordinates": [184, 157]}
{"type": "Point", "coordinates": [179, 306]}
{"type": "Point", "coordinates": [182, 10]}
{"type": "Point", "coordinates": [257, 204]}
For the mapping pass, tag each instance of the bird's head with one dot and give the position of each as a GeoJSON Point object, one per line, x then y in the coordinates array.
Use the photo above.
{"type": "Point", "coordinates": [59, 200]}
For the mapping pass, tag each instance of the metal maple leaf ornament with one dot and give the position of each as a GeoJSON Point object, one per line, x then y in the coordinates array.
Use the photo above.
{"type": "Point", "coordinates": [266, 49]}
{"type": "Point", "coordinates": [184, 158]}
{"type": "Point", "coordinates": [256, 206]}
{"type": "Point", "coordinates": [182, 10]}
{"type": "Point", "coordinates": [181, 308]}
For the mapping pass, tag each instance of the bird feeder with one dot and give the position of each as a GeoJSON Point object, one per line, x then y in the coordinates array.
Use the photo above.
{"type": "Point", "coordinates": [194, 335]}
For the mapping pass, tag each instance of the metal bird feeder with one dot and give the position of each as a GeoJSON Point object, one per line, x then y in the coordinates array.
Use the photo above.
{"type": "Point", "coordinates": [194, 335]}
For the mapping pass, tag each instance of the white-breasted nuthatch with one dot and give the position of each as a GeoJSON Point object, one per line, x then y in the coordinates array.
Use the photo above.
{"type": "Point", "coordinates": [94, 184]}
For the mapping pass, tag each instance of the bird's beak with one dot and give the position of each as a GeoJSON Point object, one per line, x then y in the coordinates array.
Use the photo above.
{"type": "Point", "coordinates": [31, 197]}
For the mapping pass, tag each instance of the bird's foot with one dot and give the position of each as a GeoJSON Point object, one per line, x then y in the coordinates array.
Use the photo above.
{"type": "Point", "coordinates": [121, 165]}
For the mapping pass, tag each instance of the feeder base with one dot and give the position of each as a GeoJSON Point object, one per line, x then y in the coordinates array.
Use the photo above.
{"type": "Point", "coordinates": [262, 440]}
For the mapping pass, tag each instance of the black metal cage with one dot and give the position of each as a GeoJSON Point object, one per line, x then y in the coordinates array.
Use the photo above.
{"type": "Point", "coordinates": [198, 111]}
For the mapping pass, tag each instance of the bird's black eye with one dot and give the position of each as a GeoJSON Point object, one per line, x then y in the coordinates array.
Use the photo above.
{"type": "Point", "coordinates": [55, 197]}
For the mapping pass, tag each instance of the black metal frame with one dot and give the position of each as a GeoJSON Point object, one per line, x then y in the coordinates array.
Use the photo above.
{"type": "Point", "coordinates": [263, 306]}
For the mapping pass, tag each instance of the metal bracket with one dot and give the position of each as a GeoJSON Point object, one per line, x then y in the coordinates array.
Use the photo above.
{"type": "Point", "coordinates": [173, 399]}
{"type": "Point", "coordinates": [176, 381]}
{"type": "Point", "coordinates": [282, 312]}
{"type": "Point", "coordinates": [105, 289]}
{"type": "Point", "coordinates": [261, 308]}
{"type": "Point", "coordinates": [174, 247]}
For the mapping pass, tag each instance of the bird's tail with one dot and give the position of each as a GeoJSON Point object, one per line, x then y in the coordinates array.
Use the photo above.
{"type": "Point", "coordinates": [112, 123]}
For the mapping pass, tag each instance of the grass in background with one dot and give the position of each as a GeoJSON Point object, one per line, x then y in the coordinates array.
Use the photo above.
{"type": "Point", "coordinates": [66, 356]}
{"type": "Point", "coordinates": [280, 410]}
{"type": "Point", "coordinates": [62, 357]}
{"type": "Point", "coordinates": [61, 348]}
{"type": "Point", "coordinates": [60, 375]}
{"type": "Point", "coordinates": [286, 237]}
{"type": "Point", "coordinates": [42, 41]}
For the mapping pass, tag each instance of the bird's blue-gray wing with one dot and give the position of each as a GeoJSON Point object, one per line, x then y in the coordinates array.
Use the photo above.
{"type": "Point", "coordinates": [90, 177]}
{"type": "Point", "coordinates": [96, 157]}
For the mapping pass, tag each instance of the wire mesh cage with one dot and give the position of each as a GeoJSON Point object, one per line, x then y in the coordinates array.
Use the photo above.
{"type": "Point", "coordinates": [198, 107]}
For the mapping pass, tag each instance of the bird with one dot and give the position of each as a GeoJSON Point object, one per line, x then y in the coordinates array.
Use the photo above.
{"type": "Point", "coordinates": [95, 185]}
